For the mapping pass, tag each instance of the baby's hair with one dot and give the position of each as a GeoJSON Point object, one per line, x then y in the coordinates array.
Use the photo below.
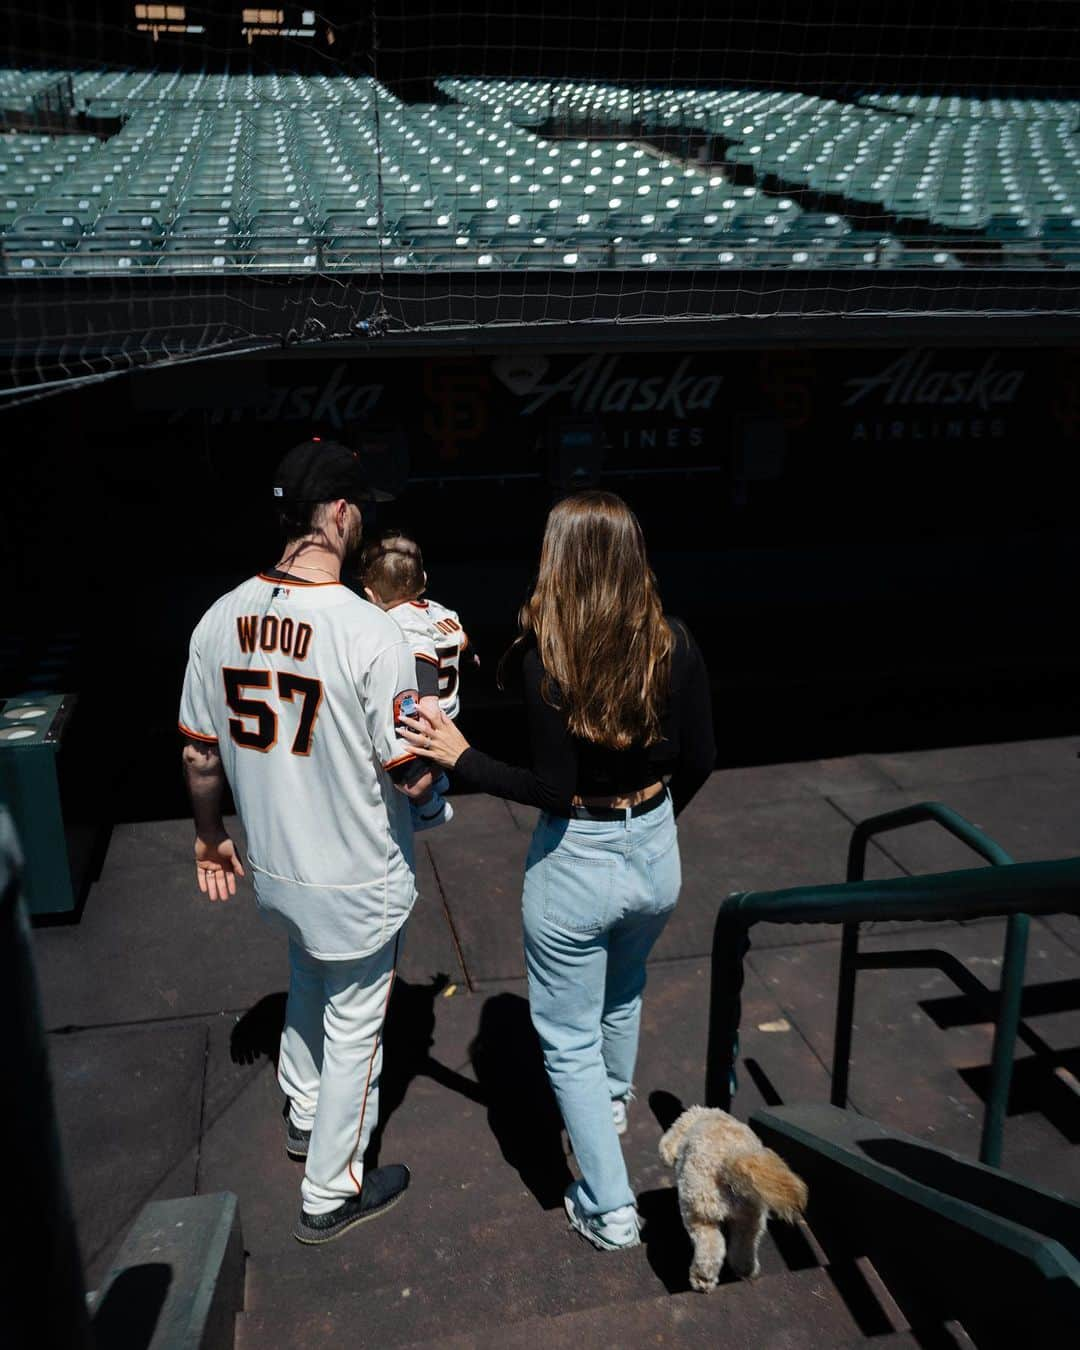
{"type": "Point", "coordinates": [393, 566]}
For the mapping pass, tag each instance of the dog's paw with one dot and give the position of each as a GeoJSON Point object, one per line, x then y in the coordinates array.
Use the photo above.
{"type": "Point", "coordinates": [704, 1284]}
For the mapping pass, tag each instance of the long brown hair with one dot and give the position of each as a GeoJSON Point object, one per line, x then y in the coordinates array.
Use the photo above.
{"type": "Point", "coordinates": [598, 623]}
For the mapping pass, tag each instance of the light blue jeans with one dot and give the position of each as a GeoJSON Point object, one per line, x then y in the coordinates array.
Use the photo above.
{"type": "Point", "coordinates": [597, 896]}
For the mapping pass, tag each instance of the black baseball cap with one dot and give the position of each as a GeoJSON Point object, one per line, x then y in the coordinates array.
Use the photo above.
{"type": "Point", "coordinates": [322, 471]}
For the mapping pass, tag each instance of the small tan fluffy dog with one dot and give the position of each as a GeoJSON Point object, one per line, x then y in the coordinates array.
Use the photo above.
{"type": "Point", "coordinates": [725, 1174]}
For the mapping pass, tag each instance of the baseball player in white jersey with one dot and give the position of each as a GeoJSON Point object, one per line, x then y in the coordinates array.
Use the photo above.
{"type": "Point", "coordinates": [392, 574]}
{"type": "Point", "coordinates": [293, 690]}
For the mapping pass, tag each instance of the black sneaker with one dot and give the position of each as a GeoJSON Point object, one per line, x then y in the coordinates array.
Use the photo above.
{"type": "Point", "coordinates": [382, 1188]}
{"type": "Point", "coordinates": [297, 1142]}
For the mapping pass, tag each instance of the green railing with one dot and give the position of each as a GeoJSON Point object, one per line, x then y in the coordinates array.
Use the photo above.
{"type": "Point", "coordinates": [1003, 889]}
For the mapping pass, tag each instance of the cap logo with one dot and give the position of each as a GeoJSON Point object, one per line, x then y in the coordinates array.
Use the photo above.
{"type": "Point", "coordinates": [279, 492]}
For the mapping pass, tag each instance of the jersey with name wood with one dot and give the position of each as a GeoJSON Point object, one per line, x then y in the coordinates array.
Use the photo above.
{"type": "Point", "coordinates": [435, 635]}
{"type": "Point", "coordinates": [300, 686]}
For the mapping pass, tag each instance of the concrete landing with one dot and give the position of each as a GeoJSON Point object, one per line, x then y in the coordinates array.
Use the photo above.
{"type": "Point", "coordinates": [164, 1012]}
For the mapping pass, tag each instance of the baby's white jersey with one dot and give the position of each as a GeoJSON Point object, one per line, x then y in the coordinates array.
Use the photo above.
{"type": "Point", "coordinates": [300, 686]}
{"type": "Point", "coordinates": [436, 635]}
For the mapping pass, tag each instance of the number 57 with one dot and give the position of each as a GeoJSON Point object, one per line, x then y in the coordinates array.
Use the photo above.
{"type": "Point", "coordinates": [265, 733]}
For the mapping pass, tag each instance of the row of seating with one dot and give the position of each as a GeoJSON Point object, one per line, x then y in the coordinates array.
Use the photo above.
{"type": "Point", "coordinates": [166, 165]}
{"type": "Point", "coordinates": [1008, 167]}
{"type": "Point", "coordinates": [265, 171]}
{"type": "Point", "coordinates": [958, 106]}
{"type": "Point", "coordinates": [113, 93]}
{"type": "Point", "coordinates": [223, 256]}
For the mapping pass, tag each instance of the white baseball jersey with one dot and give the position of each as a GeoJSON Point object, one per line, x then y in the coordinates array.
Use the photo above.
{"type": "Point", "coordinates": [299, 685]}
{"type": "Point", "coordinates": [436, 635]}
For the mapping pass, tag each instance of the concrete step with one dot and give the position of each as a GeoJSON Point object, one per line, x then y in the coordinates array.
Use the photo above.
{"type": "Point", "coordinates": [895, 1340]}
{"type": "Point", "coordinates": [796, 1310]}
{"type": "Point", "coordinates": [952, 1336]}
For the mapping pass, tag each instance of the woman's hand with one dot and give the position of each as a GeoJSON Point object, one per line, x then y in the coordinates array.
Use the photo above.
{"type": "Point", "coordinates": [434, 738]}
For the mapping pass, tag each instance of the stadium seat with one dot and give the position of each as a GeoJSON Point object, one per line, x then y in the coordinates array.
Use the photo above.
{"type": "Point", "coordinates": [274, 223]}
{"type": "Point", "coordinates": [628, 257]}
{"type": "Point", "coordinates": [101, 256]}
{"type": "Point", "coordinates": [201, 255]}
{"type": "Point", "coordinates": [54, 231]}
{"type": "Point", "coordinates": [196, 222]}
{"type": "Point", "coordinates": [368, 260]}
{"type": "Point", "coordinates": [568, 258]}
{"type": "Point", "coordinates": [130, 224]}
{"type": "Point", "coordinates": [20, 258]}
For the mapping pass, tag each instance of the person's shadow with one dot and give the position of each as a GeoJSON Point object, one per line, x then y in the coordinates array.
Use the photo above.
{"type": "Point", "coordinates": [522, 1111]}
{"type": "Point", "coordinates": [408, 1035]}
{"type": "Point", "coordinates": [258, 1033]}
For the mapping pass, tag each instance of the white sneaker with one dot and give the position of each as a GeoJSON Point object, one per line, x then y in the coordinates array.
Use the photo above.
{"type": "Point", "coordinates": [611, 1232]}
{"type": "Point", "coordinates": [431, 815]}
{"type": "Point", "coordinates": [618, 1115]}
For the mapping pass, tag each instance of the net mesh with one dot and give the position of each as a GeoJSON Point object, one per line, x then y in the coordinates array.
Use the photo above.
{"type": "Point", "coordinates": [180, 183]}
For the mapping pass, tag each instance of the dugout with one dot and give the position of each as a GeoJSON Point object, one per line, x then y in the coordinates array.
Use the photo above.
{"type": "Point", "coordinates": [874, 544]}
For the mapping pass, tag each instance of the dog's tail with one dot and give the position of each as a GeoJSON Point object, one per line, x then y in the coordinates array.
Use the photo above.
{"type": "Point", "coordinates": [764, 1176]}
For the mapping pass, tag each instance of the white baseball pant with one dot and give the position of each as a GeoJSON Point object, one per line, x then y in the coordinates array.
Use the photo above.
{"type": "Point", "coordinates": [330, 1061]}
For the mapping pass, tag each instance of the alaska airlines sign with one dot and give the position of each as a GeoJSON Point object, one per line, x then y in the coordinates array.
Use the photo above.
{"type": "Point", "coordinates": [595, 385]}
{"type": "Point", "coordinates": [334, 401]}
{"type": "Point", "coordinates": [920, 396]}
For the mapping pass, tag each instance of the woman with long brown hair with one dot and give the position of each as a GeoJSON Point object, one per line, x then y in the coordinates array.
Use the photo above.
{"type": "Point", "coordinates": [618, 701]}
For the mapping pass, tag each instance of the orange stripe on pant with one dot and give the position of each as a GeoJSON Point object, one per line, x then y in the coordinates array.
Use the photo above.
{"type": "Point", "coordinates": [371, 1065]}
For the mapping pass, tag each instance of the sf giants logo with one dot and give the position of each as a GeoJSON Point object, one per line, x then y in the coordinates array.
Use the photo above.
{"type": "Point", "coordinates": [788, 381]}
{"type": "Point", "coordinates": [458, 405]}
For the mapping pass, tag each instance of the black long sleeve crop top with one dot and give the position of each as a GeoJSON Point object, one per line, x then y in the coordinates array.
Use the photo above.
{"type": "Point", "coordinates": [565, 766]}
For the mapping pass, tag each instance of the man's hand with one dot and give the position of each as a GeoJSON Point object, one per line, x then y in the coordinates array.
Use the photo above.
{"type": "Point", "coordinates": [217, 865]}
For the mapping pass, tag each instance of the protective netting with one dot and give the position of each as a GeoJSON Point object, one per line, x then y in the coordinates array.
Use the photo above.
{"type": "Point", "coordinates": [281, 177]}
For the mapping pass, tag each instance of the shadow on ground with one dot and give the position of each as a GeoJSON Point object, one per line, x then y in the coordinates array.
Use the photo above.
{"type": "Point", "coordinates": [522, 1112]}
{"type": "Point", "coordinates": [408, 1036]}
{"type": "Point", "coordinates": [257, 1035]}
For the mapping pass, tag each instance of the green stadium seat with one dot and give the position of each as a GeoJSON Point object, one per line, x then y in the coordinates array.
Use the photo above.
{"type": "Point", "coordinates": [461, 260]}
{"type": "Point", "coordinates": [202, 255]}
{"type": "Point", "coordinates": [928, 259]}
{"type": "Point", "coordinates": [638, 257]}
{"type": "Point", "coordinates": [55, 231]}
{"type": "Point", "coordinates": [817, 225]}
{"type": "Point", "coordinates": [130, 224]}
{"type": "Point", "coordinates": [273, 224]}
{"type": "Point", "coordinates": [98, 256]}
{"type": "Point", "coordinates": [567, 259]}
{"type": "Point", "coordinates": [367, 260]}
{"type": "Point", "coordinates": [724, 258]}
{"type": "Point", "coordinates": [195, 222]}
{"type": "Point", "coordinates": [23, 257]}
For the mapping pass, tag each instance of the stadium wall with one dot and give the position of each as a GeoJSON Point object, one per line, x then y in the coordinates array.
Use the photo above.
{"type": "Point", "coordinates": [875, 547]}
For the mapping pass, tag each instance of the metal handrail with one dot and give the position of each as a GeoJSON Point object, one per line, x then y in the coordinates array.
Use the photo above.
{"type": "Point", "coordinates": [1004, 890]}
{"type": "Point", "coordinates": [1014, 963]}
{"type": "Point", "coordinates": [944, 815]}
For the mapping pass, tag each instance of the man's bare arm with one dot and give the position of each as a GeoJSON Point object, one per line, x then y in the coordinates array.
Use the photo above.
{"type": "Point", "coordinates": [217, 864]}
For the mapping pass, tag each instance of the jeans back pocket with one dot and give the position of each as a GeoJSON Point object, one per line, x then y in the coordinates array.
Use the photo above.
{"type": "Point", "coordinates": [578, 892]}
